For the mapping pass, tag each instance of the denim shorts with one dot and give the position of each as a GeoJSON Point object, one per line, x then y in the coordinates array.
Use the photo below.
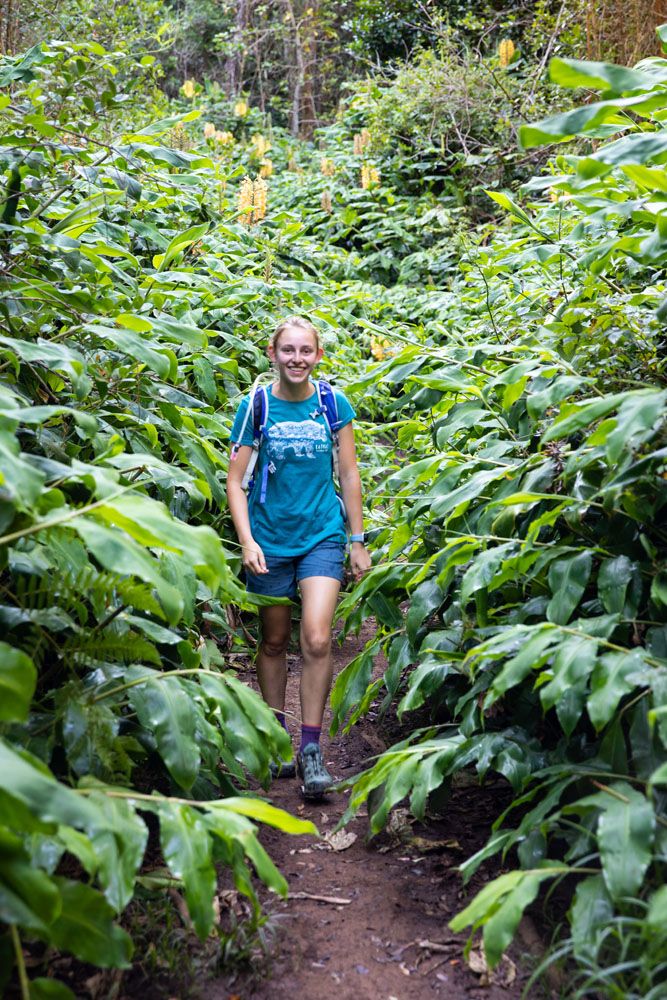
{"type": "Point", "coordinates": [325, 559]}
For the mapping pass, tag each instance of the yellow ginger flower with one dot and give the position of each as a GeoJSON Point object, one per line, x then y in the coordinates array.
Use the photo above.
{"type": "Point", "coordinates": [224, 138]}
{"type": "Point", "coordinates": [505, 51]}
{"type": "Point", "coordinates": [188, 88]}
{"type": "Point", "coordinates": [327, 166]}
{"type": "Point", "coordinates": [262, 146]}
{"type": "Point", "coordinates": [380, 348]}
{"type": "Point", "coordinates": [260, 187]}
{"type": "Point", "coordinates": [244, 201]}
{"type": "Point", "coordinates": [370, 176]}
{"type": "Point", "coordinates": [209, 130]}
{"type": "Point", "coordinates": [178, 137]}
{"type": "Point", "coordinates": [325, 202]}
{"type": "Point", "coordinates": [266, 168]}
{"type": "Point", "coordinates": [361, 140]}
{"type": "Point", "coordinates": [241, 109]}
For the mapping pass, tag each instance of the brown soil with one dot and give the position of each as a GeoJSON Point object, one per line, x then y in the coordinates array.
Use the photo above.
{"type": "Point", "coordinates": [398, 894]}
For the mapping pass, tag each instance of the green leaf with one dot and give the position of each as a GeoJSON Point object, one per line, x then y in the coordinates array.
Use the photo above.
{"type": "Point", "coordinates": [637, 415]}
{"type": "Point", "coordinates": [605, 76]}
{"type": "Point", "coordinates": [574, 417]}
{"type": "Point", "coordinates": [613, 579]}
{"type": "Point", "coordinates": [159, 359]}
{"type": "Point", "coordinates": [615, 675]}
{"type": "Point", "coordinates": [424, 600]}
{"type": "Point", "coordinates": [49, 989]}
{"type": "Point", "coordinates": [165, 709]}
{"type": "Point", "coordinates": [582, 121]}
{"type": "Point", "coordinates": [205, 378]}
{"type": "Point", "coordinates": [120, 554]}
{"type": "Point", "coordinates": [572, 664]}
{"type": "Point", "coordinates": [656, 917]}
{"type": "Point", "coordinates": [18, 678]}
{"type": "Point", "coordinates": [591, 913]}
{"type": "Point", "coordinates": [262, 811]}
{"type": "Point", "coordinates": [180, 242]}
{"type": "Point", "coordinates": [535, 651]}
{"type": "Point", "coordinates": [567, 579]}
{"type": "Point", "coordinates": [118, 839]}
{"type": "Point", "coordinates": [625, 837]}
{"type": "Point", "coordinates": [498, 907]}
{"type": "Point", "coordinates": [186, 847]}
{"type": "Point", "coordinates": [28, 897]}
{"type": "Point", "coordinates": [351, 684]}
{"type": "Point", "coordinates": [19, 481]}
{"type": "Point", "coordinates": [85, 927]}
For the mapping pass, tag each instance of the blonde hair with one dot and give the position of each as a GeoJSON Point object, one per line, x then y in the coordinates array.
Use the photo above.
{"type": "Point", "coordinates": [298, 321]}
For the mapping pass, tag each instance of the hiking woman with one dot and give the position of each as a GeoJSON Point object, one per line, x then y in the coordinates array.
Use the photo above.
{"type": "Point", "coordinates": [291, 526]}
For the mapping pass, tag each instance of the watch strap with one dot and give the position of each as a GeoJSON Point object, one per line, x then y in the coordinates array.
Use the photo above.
{"type": "Point", "coordinates": [358, 538]}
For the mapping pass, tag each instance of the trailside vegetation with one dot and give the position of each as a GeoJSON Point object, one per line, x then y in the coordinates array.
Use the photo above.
{"type": "Point", "coordinates": [509, 366]}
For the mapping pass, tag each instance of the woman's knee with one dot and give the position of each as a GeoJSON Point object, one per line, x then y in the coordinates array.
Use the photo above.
{"type": "Point", "coordinates": [316, 643]}
{"type": "Point", "coordinates": [275, 644]}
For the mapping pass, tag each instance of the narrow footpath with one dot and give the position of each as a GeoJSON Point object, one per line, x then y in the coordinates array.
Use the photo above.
{"type": "Point", "coordinates": [378, 930]}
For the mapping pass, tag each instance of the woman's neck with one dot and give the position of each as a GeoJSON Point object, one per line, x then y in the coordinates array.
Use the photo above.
{"type": "Point", "coordinates": [292, 393]}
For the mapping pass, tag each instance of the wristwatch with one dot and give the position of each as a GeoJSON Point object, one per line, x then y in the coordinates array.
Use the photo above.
{"type": "Point", "coordinates": [358, 538]}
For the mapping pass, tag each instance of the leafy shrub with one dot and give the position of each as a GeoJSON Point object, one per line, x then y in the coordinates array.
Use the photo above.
{"type": "Point", "coordinates": [527, 535]}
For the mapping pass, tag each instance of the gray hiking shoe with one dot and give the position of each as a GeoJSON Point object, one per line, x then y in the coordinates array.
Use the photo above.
{"type": "Point", "coordinates": [282, 768]}
{"type": "Point", "coordinates": [316, 778]}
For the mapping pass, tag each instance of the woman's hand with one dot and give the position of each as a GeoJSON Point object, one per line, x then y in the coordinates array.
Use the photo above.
{"type": "Point", "coordinates": [253, 558]}
{"type": "Point", "coordinates": [360, 560]}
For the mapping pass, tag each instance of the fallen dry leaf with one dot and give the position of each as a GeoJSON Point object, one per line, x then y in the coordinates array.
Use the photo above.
{"type": "Point", "coordinates": [341, 840]}
{"type": "Point", "coordinates": [334, 900]}
{"type": "Point", "coordinates": [424, 845]}
{"type": "Point", "coordinates": [504, 973]}
{"type": "Point", "coordinates": [399, 822]}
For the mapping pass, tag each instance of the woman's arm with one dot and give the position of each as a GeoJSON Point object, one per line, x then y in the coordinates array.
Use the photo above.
{"type": "Point", "coordinates": [350, 485]}
{"type": "Point", "coordinates": [253, 557]}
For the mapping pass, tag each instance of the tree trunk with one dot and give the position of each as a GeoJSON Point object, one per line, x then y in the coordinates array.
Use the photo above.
{"type": "Point", "coordinates": [234, 64]}
{"type": "Point", "coordinates": [309, 50]}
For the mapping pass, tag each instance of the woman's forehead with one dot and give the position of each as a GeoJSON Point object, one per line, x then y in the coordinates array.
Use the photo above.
{"type": "Point", "coordinates": [296, 335]}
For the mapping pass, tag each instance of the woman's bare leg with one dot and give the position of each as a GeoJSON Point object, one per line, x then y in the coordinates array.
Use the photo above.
{"type": "Point", "coordinates": [318, 598]}
{"type": "Point", "coordinates": [271, 657]}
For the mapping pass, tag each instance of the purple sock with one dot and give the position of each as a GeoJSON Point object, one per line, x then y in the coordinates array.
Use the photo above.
{"type": "Point", "coordinates": [280, 716]}
{"type": "Point", "coordinates": [309, 734]}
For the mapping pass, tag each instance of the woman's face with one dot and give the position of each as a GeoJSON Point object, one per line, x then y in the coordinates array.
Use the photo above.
{"type": "Point", "coordinates": [295, 355]}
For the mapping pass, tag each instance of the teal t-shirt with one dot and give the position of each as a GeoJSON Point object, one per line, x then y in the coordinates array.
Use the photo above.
{"type": "Point", "coordinates": [301, 508]}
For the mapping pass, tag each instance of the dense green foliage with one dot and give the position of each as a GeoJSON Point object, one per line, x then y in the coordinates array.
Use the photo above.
{"type": "Point", "coordinates": [513, 447]}
{"type": "Point", "coordinates": [119, 347]}
{"type": "Point", "coordinates": [527, 532]}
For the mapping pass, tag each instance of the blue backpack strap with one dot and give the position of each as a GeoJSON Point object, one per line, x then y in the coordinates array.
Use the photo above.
{"type": "Point", "coordinates": [260, 413]}
{"type": "Point", "coordinates": [328, 404]}
{"type": "Point", "coordinates": [260, 419]}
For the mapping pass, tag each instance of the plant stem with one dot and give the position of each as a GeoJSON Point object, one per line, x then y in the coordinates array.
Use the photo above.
{"type": "Point", "coordinates": [158, 676]}
{"type": "Point", "coordinates": [69, 516]}
{"type": "Point", "coordinates": [20, 963]}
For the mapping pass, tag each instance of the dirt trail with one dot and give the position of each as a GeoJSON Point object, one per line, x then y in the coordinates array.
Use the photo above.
{"type": "Point", "coordinates": [372, 947]}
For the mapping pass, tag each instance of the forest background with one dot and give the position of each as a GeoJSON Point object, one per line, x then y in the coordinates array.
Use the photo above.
{"type": "Point", "coordinates": [177, 177]}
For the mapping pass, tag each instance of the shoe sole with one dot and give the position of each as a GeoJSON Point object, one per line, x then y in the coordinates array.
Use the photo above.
{"type": "Point", "coordinates": [314, 796]}
{"type": "Point", "coordinates": [286, 771]}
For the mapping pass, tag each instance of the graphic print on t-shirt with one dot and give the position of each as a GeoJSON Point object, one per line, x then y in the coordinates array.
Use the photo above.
{"type": "Point", "coordinates": [303, 438]}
